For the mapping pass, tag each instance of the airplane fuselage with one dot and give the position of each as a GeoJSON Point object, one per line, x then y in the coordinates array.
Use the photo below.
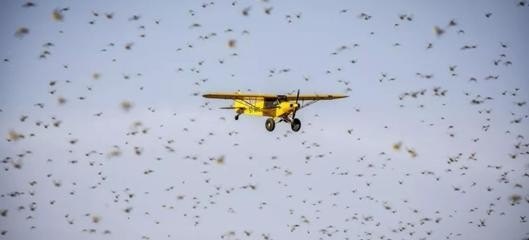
{"type": "Point", "coordinates": [269, 108]}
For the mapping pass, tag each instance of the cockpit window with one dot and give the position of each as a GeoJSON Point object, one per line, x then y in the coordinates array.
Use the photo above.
{"type": "Point", "coordinates": [270, 103]}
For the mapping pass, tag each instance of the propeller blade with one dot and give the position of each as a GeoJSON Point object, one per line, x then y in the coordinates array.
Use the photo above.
{"type": "Point", "coordinates": [297, 106]}
{"type": "Point", "coordinates": [297, 97]}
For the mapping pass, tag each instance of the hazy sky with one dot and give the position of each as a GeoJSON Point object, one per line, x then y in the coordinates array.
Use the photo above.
{"type": "Point", "coordinates": [106, 134]}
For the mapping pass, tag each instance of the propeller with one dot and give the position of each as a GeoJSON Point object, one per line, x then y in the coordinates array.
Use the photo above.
{"type": "Point", "coordinates": [297, 106]}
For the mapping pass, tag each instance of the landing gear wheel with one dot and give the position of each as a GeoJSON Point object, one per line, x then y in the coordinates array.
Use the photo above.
{"type": "Point", "coordinates": [236, 117]}
{"type": "Point", "coordinates": [296, 125]}
{"type": "Point", "coordinates": [270, 124]}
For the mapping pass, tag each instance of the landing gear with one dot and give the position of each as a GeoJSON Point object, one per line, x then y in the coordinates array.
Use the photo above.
{"type": "Point", "coordinates": [270, 124]}
{"type": "Point", "coordinates": [236, 117]}
{"type": "Point", "coordinates": [295, 125]}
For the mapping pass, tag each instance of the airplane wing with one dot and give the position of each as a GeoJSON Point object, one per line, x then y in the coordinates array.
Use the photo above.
{"type": "Point", "coordinates": [245, 96]}
{"type": "Point", "coordinates": [239, 96]}
{"type": "Point", "coordinates": [315, 97]}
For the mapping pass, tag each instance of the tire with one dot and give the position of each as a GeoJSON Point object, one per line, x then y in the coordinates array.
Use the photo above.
{"type": "Point", "coordinates": [270, 124]}
{"type": "Point", "coordinates": [236, 117]}
{"type": "Point", "coordinates": [296, 125]}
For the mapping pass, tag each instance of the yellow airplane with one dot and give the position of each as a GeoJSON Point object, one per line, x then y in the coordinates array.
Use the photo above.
{"type": "Point", "coordinates": [282, 107]}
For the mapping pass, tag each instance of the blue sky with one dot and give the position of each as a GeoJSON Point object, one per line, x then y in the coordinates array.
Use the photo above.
{"type": "Point", "coordinates": [340, 177]}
